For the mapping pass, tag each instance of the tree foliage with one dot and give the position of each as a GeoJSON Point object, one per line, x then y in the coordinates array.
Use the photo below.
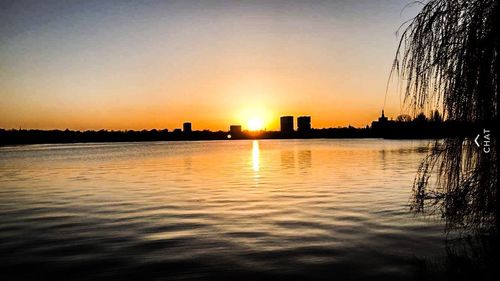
{"type": "Point", "coordinates": [448, 58]}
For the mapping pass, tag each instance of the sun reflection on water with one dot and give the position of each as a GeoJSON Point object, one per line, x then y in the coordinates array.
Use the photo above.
{"type": "Point", "coordinates": [320, 204]}
{"type": "Point", "coordinates": [255, 156]}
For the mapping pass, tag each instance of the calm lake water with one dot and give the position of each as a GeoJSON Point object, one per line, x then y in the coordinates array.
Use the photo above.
{"type": "Point", "coordinates": [246, 210]}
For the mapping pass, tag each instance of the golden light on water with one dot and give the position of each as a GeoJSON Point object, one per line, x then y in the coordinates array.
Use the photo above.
{"type": "Point", "coordinates": [255, 156]}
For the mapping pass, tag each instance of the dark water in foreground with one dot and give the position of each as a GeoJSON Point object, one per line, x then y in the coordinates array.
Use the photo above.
{"type": "Point", "coordinates": [246, 210]}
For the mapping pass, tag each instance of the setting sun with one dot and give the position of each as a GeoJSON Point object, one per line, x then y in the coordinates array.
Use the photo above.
{"type": "Point", "coordinates": [255, 124]}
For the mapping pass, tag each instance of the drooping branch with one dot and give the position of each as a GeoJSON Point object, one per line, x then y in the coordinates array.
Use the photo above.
{"type": "Point", "coordinates": [447, 57]}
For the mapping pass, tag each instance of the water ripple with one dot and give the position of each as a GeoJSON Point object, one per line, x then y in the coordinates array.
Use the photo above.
{"type": "Point", "coordinates": [221, 210]}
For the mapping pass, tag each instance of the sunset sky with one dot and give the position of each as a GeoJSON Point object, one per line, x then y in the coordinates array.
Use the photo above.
{"type": "Point", "coordinates": [156, 64]}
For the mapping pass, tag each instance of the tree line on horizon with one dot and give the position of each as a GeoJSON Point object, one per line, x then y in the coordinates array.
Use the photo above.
{"type": "Point", "coordinates": [403, 127]}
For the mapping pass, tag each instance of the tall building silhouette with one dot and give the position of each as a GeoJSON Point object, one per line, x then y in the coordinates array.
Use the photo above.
{"type": "Point", "coordinates": [235, 129]}
{"type": "Point", "coordinates": [186, 127]}
{"type": "Point", "coordinates": [381, 123]}
{"type": "Point", "coordinates": [286, 124]}
{"type": "Point", "coordinates": [382, 118]}
{"type": "Point", "coordinates": [304, 123]}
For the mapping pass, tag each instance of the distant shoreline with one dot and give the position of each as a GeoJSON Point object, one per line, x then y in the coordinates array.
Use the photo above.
{"type": "Point", "coordinates": [210, 140]}
{"type": "Point", "coordinates": [394, 131]}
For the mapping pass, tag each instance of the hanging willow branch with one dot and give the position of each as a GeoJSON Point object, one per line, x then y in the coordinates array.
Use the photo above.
{"type": "Point", "coordinates": [448, 58]}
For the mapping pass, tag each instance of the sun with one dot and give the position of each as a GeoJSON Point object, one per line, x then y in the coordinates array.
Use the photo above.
{"type": "Point", "coordinates": [255, 124]}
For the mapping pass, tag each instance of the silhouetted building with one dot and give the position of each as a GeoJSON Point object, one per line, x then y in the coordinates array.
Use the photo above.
{"type": "Point", "coordinates": [186, 127]}
{"type": "Point", "coordinates": [382, 118]}
{"type": "Point", "coordinates": [382, 121]}
{"type": "Point", "coordinates": [286, 124]}
{"type": "Point", "coordinates": [177, 131]}
{"type": "Point", "coordinates": [235, 129]}
{"type": "Point", "coordinates": [383, 124]}
{"type": "Point", "coordinates": [304, 123]}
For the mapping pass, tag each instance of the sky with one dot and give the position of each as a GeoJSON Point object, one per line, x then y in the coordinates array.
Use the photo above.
{"type": "Point", "coordinates": [155, 64]}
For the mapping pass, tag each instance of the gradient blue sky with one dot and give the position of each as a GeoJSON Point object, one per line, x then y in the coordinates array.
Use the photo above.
{"type": "Point", "coordinates": [155, 64]}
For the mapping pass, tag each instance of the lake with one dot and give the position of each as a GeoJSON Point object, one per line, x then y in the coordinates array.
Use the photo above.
{"type": "Point", "coordinates": [246, 210]}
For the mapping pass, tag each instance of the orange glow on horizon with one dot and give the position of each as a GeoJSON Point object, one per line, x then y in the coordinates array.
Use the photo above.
{"type": "Point", "coordinates": [239, 64]}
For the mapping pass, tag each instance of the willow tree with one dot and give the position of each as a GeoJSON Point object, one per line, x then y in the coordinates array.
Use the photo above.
{"type": "Point", "coordinates": [448, 58]}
